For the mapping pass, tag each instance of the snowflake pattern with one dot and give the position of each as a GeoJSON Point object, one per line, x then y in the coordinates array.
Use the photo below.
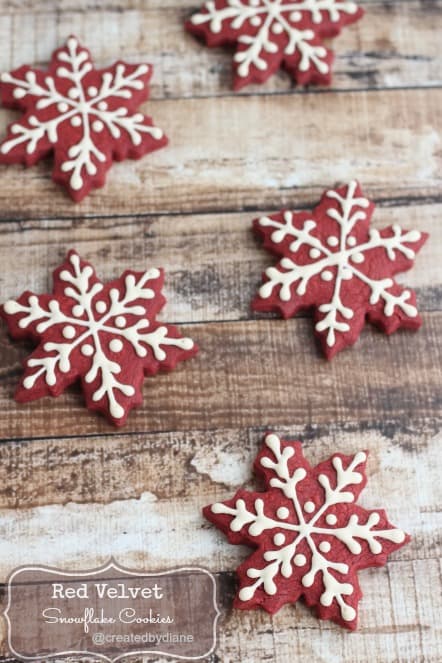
{"type": "Point", "coordinates": [311, 536]}
{"type": "Point", "coordinates": [331, 260]}
{"type": "Point", "coordinates": [87, 117]}
{"type": "Point", "coordinates": [272, 33]}
{"type": "Point", "coordinates": [107, 335]}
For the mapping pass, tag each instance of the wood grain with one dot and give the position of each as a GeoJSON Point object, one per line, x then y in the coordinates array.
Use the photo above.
{"type": "Point", "coordinates": [396, 45]}
{"type": "Point", "coordinates": [263, 152]}
{"type": "Point", "coordinates": [207, 277]}
{"type": "Point", "coordinates": [122, 482]}
{"type": "Point", "coordinates": [73, 490]}
{"type": "Point", "coordinates": [259, 371]}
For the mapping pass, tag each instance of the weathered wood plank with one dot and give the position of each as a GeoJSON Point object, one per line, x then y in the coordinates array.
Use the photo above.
{"type": "Point", "coordinates": [74, 501]}
{"type": "Point", "coordinates": [213, 262]}
{"type": "Point", "coordinates": [397, 45]}
{"type": "Point", "coordinates": [264, 371]}
{"type": "Point", "coordinates": [136, 508]}
{"type": "Point", "coordinates": [251, 164]}
{"type": "Point", "coordinates": [45, 6]}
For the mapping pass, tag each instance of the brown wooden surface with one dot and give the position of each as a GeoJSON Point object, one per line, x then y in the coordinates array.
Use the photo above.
{"type": "Point", "coordinates": [73, 490]}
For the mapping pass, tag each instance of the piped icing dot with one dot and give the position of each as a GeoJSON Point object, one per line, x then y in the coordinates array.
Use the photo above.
{"type": "Point", "coordinates": [332, 241]}
{"type": "Point", "coordinates": [102, 105]}
{"type": "Point", "coordinates": [314, 253]}
{"type": "Point", "coordinates": [277, 28]}
{"type": "Point", "coordinates": [120, 321]}
{"type": "Point", "coordinates": [331, 519]}
{"type": "Point", "coordinates": [116, 345]}
{"type": "Point", "coordinates": [62, 107]}
{"type": "Point", "coordinates": [92, 91]}
{"type": "Point", "coordinates": [77, 311]}
{"type": "Point", "coordinates": [101, 306]}
{"type": "Point", "coordinates": [255, 21]}
{"type": "Point", "coordinates": [279, 539]}
{"type": "Point", "coordinates": [76, 121]}
{"type": "Point", "coordinates": [326, 275]}
{"type": "Point", "coordinates": [295, 16]}
{"type": "Point", "coordinates": [351, 241]}
{"type": "Point", "coordinates": [97, 126]}
{"type": "Point", "coordinates": [283, 513]}
{"type": "Point", "coordinates": [324, 546]}
{"type": "Point", "coordinates": [73, 93]}
{"type": "Point", "coordinates": [68, 332]}
{"type": "Point", "coordinates": [300, 560]}
{"type": "Point", "coordinates": [309, 506]}
{"type": "Point", "coordinates": [87, 350]}
{"type": "Point", "coordinates": [357, 258]}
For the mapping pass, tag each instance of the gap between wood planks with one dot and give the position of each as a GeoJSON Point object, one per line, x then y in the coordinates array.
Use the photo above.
{"type": "Point", "coordinates": [100, 468]}
{"type": "Point", "coordinates": [247, 171]}
{"type": "Point", "coordinates": [228, 385]}
{"type": "Point", "coordinates": [385, 50]}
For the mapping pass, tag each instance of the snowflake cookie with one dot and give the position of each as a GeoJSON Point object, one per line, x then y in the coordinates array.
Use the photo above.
{"type": "Point", "coordinates": [88, 117]}
{"type": "Point", "coordinates": [274, 33]}
{"type": "Point", "coordinates": [311, 536]}
{"type": "Point", "coordinates": [332, 261]}
{"type": "Point", "coordinates": [105, 334]}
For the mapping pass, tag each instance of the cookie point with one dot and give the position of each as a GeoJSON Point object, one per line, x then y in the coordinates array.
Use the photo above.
{"type": "Point", "coordinates": [246, 593]}
{"type": "Point", "coordinates": [271, 439]}
{"type": "Point", "coordinates": [10, 307]}
{"type": "Point", "coordinates": [361, 457]}
{"type": "Point", "coordinates": [187, 343]}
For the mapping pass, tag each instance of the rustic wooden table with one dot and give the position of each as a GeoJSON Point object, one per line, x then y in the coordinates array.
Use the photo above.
{"type": "Point", "coordinates": [73, 489]}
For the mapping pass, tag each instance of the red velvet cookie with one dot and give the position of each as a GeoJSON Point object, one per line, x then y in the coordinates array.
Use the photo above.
{"type": "Point", "coordinates": [332, 261]}
{"type": "Point", "coordinates": [311, 537]}
{"type": "Point", "coordinates": [105, 334]}
{"type": "Point", "coordinates": [87, 117]}
{"type": "Point", "coordinates": [275, 33]}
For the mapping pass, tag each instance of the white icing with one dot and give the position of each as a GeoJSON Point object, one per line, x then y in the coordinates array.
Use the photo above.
{"type": "Point", "coordinates": [283, 513]}
{"type": "Point", "coordinates": [87, 332]}
{"type": "Point", "coordinates": [69, 332]}
{"type": "Point", "coordinates": [327, 275]}
{"type": "Point", "coordinates": [116, 345]}
{"type": "Point", "coordinates": [80, 107]}
{"type": "Point", "coordinates": [298, 529]}
{"type": "Point", "coordinates": [77, 311]}
{"type": "Point", "coordinates": [339, 264]}
{"type": "Point", "coordinates": [274, 17]}
{"type": "Point", "coordinates": [101, 306]}
{"type": "Point", "coordinates": [279, 539]}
